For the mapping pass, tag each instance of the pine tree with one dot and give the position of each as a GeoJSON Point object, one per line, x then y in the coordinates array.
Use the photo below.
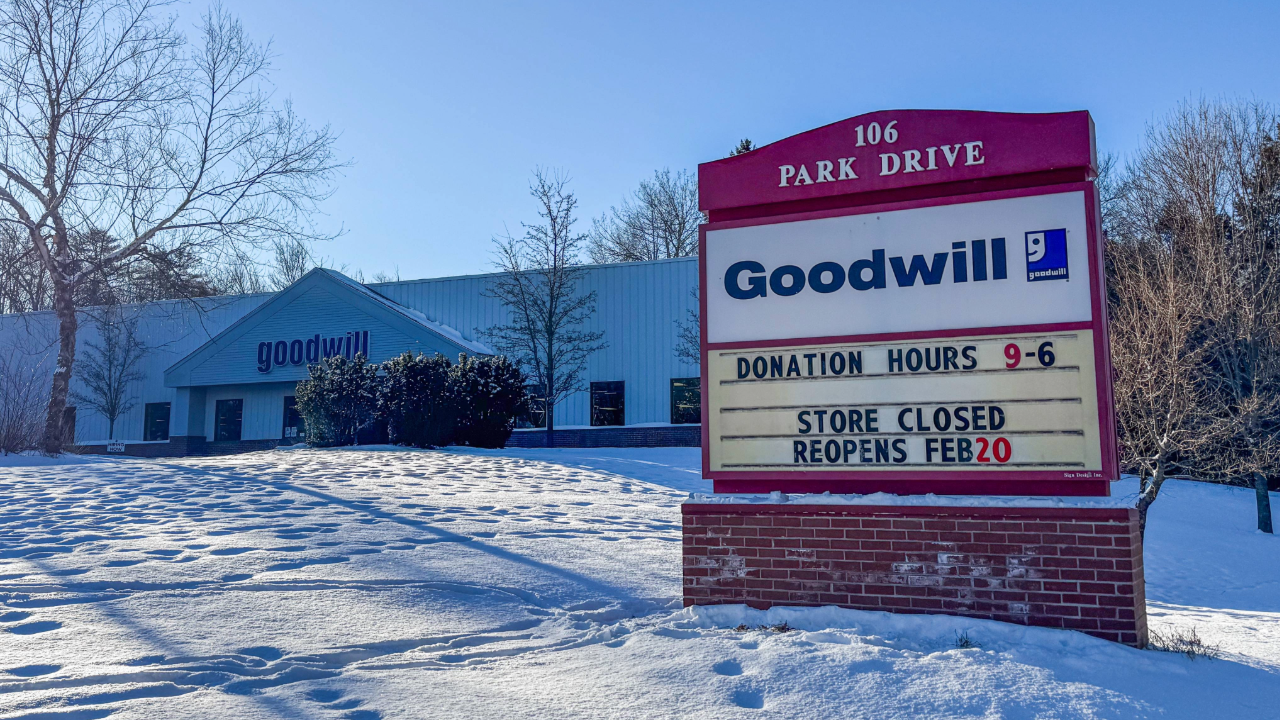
{"type": "Point", "coordinates": [489, 394]}
{"type": "Point", "coordinates": [744, 147]}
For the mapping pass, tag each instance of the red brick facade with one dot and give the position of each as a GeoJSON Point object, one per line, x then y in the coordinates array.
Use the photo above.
{"type": "Point", "coordinates": [1075, 568]}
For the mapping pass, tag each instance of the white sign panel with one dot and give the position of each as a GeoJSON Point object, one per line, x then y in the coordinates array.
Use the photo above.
{"type": "Point", "coordinates": [998, 263]}
{"type": "Point", "coordinates": [1020, 402]}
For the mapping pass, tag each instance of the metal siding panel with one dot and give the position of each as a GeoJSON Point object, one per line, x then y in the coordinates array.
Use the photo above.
{"type": "Point", "coordinates": [262, 415]}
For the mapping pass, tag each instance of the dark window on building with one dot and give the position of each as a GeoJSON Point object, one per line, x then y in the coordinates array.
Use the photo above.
{"type": "Point", "coordinates": [535, 411]}
{"type": "Point", "coordinates": [228, 419]}
{"type": "Point", "coordinates": [69, 425]}
{"type": "Point", "coordinates": [292, 421]}
{"type": "Point", "coordinates": [686, 401]}
{"type": "Point", "coordinates": [608, 403]}
{"type": "Point", "coordinates": [156, 424]}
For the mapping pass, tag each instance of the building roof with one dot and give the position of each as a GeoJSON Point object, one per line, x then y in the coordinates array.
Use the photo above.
{"type": "Point", "coordinates": [404, 320]}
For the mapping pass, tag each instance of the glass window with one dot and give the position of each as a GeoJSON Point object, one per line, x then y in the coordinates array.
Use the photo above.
{"type": "Point", "coordinates": [156, 424]}
{"type": "Point", "coordinates": [608, 403]}
{"type": "Point", "coordinates": [228, 418]}
{"type": "Point", "coordinates": [686, 401]}
{"type": "Point", "coordinates": [535, 411]}
{"type": "Point", "coordinates": [292, 421]}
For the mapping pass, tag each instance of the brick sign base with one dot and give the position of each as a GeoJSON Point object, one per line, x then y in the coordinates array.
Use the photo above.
{"type": "Point", "coordinates": [1074, 568]}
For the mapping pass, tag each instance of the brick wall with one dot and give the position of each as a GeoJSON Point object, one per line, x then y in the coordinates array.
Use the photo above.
{"type": "Point", "coordinates": [1072, 568]}
{"type": "Point", "coordinates": [620, 436]}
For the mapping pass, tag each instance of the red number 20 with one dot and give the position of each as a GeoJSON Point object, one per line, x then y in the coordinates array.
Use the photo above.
{"type": "Point", "coordinates": [1000, 450]}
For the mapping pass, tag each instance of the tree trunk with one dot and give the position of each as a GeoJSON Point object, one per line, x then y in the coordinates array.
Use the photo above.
{"type": "Point", "coordinates": [64, 307]}
{"type": "Point", "coordinates": [1264, 502]}
{"type": "Point", "coordinates": [551, 413]}
{"type": "Point", "coordinates": [1149, 495]}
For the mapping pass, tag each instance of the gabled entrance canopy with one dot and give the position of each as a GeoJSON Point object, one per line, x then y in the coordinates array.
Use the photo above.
{"type": "Point", "coordinates": [324, 313]}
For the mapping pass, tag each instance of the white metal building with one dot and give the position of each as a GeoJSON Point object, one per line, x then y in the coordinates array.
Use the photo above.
{"type": "Point", "coordinates": [219, 373]}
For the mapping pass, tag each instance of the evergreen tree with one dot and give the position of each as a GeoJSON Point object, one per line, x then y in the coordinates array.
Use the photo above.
{"type": "Point", "coordinates": [339, 400]}
{"type": "Point", "coordinates": [489, 393]}
{"type": "Point", "coordinates": [416, 402]}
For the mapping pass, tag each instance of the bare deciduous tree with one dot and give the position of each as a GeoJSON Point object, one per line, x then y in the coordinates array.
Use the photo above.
{"type": "Point", "coordinates": [539, 287]}
{"type": "Point", "coordinates": [292, 261]}
{"type": "Point", "coordinates": [660, 221]}
{"type": "Point", "coordinates": [109, 121]}
{"type": "Point", "coordinates": [238, 273]}
{"type": "Point", "coordinates": [689, 335]}
{"type": "Point", "coordinates": [1242, 282]}
{"type": "Point", "coordinates": [110, 366]}
{"type": "Point", "coordinates": [1162, 405]}
{"type": "Point", "coordinates": [22, 386]}
{"type": "Point", "coordinates": [1195, 299]}
{"type": "Point", "coordinates": [386, 277]}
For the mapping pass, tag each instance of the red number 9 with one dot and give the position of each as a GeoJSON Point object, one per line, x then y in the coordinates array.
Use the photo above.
{"type": "Point", "coordinates": [1014, 354]}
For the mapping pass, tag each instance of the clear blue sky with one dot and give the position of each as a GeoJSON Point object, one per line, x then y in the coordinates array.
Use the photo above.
{"type": "Point", "coordinates": [444, 109]}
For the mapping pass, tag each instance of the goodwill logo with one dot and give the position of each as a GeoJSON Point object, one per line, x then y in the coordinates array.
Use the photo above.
{"type": "Point", "coordinates": [1047, 255]}
{"type": "Point", "coordinates": [299, 352]}
{"type": "Point", "coordinates": [974, 261]}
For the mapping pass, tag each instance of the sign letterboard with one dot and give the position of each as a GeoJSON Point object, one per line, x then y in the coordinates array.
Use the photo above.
{"type": "Point", "coordinates": [951, 343]}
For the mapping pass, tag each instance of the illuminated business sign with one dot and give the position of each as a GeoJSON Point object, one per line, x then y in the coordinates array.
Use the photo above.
{"type": "Point", "coordinates": [949, 344]}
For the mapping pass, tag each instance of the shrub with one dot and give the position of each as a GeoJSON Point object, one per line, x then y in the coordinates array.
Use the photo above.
{"type": "Point", "coordinates": [22, 388]}
{"type": "Point", "coordinates": [338, 401]}
{"type": "Point", "coordinates": [416, 400]}
{"type": "Point", "coordinates": [1182, 640]}
{"type": "Point", "coordinates": [489, 392]}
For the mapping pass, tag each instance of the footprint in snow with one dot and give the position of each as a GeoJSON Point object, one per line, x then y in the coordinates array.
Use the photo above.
{"type": "Point", "coordinates": [232, 551]}
{"type": "Point", "coordinates": [751, 699]}
{"type": "Point", "coordinates": [35, 627]}
{"type": "Point", "coordinates": [299, 564]}
{"type": "Point", "coordinates": [262, 652]}
{"type": "Point", "coordinates": [325, 695]}
{"type": "Point", "coordinates": [14, 616]}
{"type": "Point", "coordinates": [727, 667]}
{"type": "Point", "coordinates": [27, 671]}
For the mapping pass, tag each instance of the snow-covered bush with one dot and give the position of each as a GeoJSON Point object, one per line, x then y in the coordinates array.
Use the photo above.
{"type": "Point", "coordinates": [416, 400]}
{"type": "Point", "coordinates": [419, 400]}
{"type": "Point", "coordinates": [339, 400]}
{"type": "Point", "coordinates": [489, 393]}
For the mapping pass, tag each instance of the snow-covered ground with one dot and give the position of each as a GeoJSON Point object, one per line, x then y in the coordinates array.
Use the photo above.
{"type": "Point", "coordinates": [383, 583]}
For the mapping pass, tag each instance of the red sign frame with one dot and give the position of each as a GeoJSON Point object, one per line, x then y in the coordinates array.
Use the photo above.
{"type": "Point", "coordinates": [721, 187]}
